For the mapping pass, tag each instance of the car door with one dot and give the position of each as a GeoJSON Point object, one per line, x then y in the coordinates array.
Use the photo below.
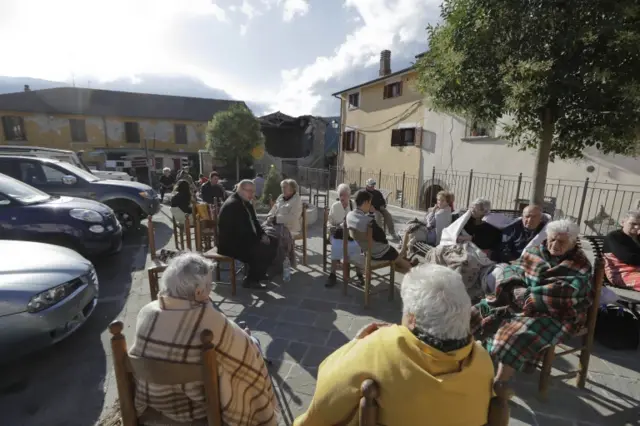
{"type": "Point", "coordinates": [10, 228]}
{"type": "Point", "coordinates": [50, 178]}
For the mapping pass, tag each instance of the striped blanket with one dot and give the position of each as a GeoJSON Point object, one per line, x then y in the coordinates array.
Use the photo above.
{"type": "Point", "coordinates": [539, 301]}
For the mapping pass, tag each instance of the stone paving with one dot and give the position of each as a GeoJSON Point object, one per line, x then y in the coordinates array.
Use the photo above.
{"type": "Point", "coordinates": [300, 322]}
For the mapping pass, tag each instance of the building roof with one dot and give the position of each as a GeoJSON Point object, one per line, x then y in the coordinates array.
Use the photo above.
{"type": "Point", "coordinates": [111, 103]}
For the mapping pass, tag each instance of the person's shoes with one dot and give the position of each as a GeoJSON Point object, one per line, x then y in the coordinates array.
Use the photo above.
{"type": "Point", "coordinates": [360, 280]}
{"type": "Point", "coordinates": [395, 237]}
{"type": "Point", "coordinates": [332, 280]}
{"type": "Point", "coordinates": [255, 285]}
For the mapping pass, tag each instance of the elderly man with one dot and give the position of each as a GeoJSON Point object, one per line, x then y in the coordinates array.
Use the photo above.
{"type": "Point", "coordinates": [168, 330]}
{"type": "Point", "coordinates": [521, 233]}
{"type": "Point", "coordinates": [166, 182]}
{"type": "Point", "coordinates": [241, 236]}
{"type": "Point", "coordinates": [379, 204]}
{"type": "Point", "coordinates": [539, 301]}
{"type": "Point", "coordinates": [427, 367]}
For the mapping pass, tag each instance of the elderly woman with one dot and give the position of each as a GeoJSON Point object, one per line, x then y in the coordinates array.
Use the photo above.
{"type": "Point", "coordinates": [622, 253]}
{"type": "Point", "coordinates": [539, 301]}
{"type": "Point", "coordinates": [430, 229]}
{"type": "Point", "coordinates": [284, 223]}
{"type": "Point", "coordinates": [427, 367]}
{"type": "Point", "coordinates": [337, 214]}
{"type": "Point", "coordinates": [168, 330]}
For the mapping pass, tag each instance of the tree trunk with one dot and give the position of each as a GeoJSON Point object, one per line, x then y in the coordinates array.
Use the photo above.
{"type": "Point", "coordinates": [237, 169]}
{"type": "Point", "coordinates": [542, 159]}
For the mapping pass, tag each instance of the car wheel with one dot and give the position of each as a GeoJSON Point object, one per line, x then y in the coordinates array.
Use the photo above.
{"type": "Point", "coordinates": [127, 214]}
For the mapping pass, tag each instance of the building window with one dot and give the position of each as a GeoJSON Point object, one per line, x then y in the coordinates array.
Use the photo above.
{"type": "Point", "coordinates": [159, 163]}
{"type": "Point", "coordinates": [392, 90]}
{"type": "Point", "coordinates": [479, 130]}
{"type": "Point", "coordinates": [180, 131]}
{"type": "Point", "coordinates": [406, 137]}
{"type": "Point", "coordinates": [353, 141]}
{"type": "Point", "coordinates": [132, 132]}
{"type": "Point", "coordinates": [354, 100]}
{"type": "Point", "coordinates": [14, 128]}
{"type": "Point", "coordinates": [78, 130]}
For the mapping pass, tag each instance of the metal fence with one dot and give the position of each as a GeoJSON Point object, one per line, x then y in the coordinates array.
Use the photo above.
{"type": "Point", "coordinates": [598, 207]}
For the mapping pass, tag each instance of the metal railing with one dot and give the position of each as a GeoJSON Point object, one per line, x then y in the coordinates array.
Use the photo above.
{"type": "Point", "coordinates": [598, 207]}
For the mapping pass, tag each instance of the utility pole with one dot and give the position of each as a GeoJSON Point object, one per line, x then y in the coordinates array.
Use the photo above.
{"type": "Point", "coordinates": [146, 156]}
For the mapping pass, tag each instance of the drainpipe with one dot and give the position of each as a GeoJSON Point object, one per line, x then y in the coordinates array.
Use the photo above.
{"type": "Point", "coordinates": [340, 162]}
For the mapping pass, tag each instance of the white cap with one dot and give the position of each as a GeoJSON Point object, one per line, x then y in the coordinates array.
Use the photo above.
{"type": "Point", "coordinates": [371, 182]}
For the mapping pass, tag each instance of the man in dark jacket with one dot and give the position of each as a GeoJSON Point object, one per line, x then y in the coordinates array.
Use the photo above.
{"type": "Point", "coordinates": [518, 235]}
{"type": "Point", "coordinates": [379, 204]}
{"type": "Point", "coordinates": [212, 191]}
{"type": "Point", "coordinates": [241, 237]}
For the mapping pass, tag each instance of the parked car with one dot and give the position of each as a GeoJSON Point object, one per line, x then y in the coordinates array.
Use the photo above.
{"type": "Point", "coordinates": [131, 201]}
{"type": "Point", "coordinates": [47, 293]}
{"type": "Point", "coordinates": [70, 157]}
{"type": "Point", "coordinates": [28, 214]}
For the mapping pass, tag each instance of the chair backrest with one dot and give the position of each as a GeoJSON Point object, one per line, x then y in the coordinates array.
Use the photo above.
{"type": "Point", "coordinates": [509, 213]}
{"type": "Point", "coordinates": [597, 244]}
{"type": "Point", "coordinates": [126, 368]}
{"type": "Point", "coordinates": [178, 215]}
{"type": "Point", "coordinates": [154, 280]}
{"type": "Point", "coordinates": [592, 314]}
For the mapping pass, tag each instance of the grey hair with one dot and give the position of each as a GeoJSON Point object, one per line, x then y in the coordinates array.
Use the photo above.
{"type": "Point", "coordinates": [185, 274]}
{"type": "Point", "coordinates": [564, 226]}
{"type": "Point", "coordinates": [245, 182]}
{"type": "Point", "coordinates": [438, 299]}
{"type": "Point", "coordinates": [482, 205]}
{"type": "Point", "coordinates": [291, 184]}
{"type": "Point", "coordinates": [632, 214]}
{"type": "Point", "coordinates": [166, 169]}
{"type": "Point", "coordinates": [343, 187]}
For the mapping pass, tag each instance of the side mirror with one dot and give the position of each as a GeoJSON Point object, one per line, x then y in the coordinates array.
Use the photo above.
{"type": "Point", "coordinates": [69, 180]}
{"type": "Point", "coordinates": [4, 202]}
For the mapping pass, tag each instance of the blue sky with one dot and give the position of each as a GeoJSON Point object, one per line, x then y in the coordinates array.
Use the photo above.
{"type": "Point", "coordinates": [286, 55]}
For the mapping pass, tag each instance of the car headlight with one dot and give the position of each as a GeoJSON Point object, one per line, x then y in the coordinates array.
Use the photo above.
{"type": "Point", "coordinates": [86, 215]}
{"type": "Point", "coordinates": [147, 194]}
{"type": "Point", "coordinates": [52, 296]}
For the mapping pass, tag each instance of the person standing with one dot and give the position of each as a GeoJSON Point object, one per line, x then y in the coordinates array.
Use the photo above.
{"type": "Point", "coordinates": [379, 204]}
{"type": "Point", "coordinates": [259, 183]}
{"type": "Point", "coordinates": [166, 182]}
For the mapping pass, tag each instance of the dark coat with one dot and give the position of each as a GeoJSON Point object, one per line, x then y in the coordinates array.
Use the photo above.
{"type": "Point", "coordinates": [210, 191]}
{"type": "Point", "coordinates": [235, 234]}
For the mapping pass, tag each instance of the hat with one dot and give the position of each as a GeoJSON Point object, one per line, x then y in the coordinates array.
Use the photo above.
{"type": "Point", "coordinates": [371, 182]}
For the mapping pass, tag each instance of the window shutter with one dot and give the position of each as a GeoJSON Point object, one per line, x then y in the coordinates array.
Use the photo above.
{"type": "Point", "coordinates": [360, 142]}
{"type": "Point", "coordinates": [417, 138]}
{"type": "Point", "coordinates": [344, 141]}
{"type": "Point", "coordinates": [396, 137]}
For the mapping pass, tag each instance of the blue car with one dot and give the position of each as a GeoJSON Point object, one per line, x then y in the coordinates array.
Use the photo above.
{"type": "Point", "coordinates": [28, 214]}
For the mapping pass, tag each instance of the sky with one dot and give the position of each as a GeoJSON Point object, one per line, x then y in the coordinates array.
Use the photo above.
{"type": "Point", "coordinates": [278, 55]}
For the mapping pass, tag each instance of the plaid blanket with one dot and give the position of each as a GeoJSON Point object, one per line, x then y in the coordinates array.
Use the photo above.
{"type": "Point", "coordinates": [539, 301]}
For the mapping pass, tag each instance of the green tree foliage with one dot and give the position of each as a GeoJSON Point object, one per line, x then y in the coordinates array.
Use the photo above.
{"type": "Point", "coordinates": [272, 189]}
{"type": "Point", "coordinates": [233, 134]}
{"type": "Point", "coordinates": [564, 75]}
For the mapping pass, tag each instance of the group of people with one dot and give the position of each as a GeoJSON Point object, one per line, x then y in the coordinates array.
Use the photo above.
{"type": "Point", "coordinates": [535, 292]}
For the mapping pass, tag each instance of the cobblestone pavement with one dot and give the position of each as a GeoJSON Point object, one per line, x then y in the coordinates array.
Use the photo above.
{"type": "Point", "coordinates": [300, 322]}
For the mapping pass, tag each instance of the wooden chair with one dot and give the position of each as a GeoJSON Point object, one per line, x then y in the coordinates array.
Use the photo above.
{"type": "Point", "coordinates": [325, 239]}
{"type": "Point", "coordinates": [153, 274]}
{"type": "Point", "coordinates": [126, 368]}
{"type": "Point", "coordinates": [213, 254]}
{"type": "Point", "coordinates": [365, 241]}
{"type": "Point", "coordinates": [302, 235]}
{"type": "Point", "coordinates": [586, 333]}
{"type": "Point", "coordinates": [368, 409]}
{"type": "Point", "coordinates": [514, 214]}
{"type": "Point", "coordinates": [179, 219]}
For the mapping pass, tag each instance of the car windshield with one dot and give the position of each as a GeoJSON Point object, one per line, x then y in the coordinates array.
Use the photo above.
{"type": "Point", "coordinates": [21, 191]}
{"type": "Point", "coordinates": [78, 172]}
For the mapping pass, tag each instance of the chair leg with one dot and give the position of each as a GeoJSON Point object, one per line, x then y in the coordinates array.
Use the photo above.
{"type": "Point", "coordinates": [218, 272]}
{"type": "Point", "coordinates": [545, 374]}
{"type": "Point", "coordinates": [345, 275]}
{"type": "Point", "coordinates": [324, 256]}
{"type": "Point", "coordinates": [585, 357]}
{"type": "Point", "coordinates": [392, 280]}
{"type": "Point", "coordinates": [304, 250]}
{"type": "Point", "coordinates": [233, 277]}
{"type": "Point", "coordinates": [367, 285]}
{"type": "Point", "coordinates": [181, 247]}
{"type": "Point", "coordinates": [175, 233]}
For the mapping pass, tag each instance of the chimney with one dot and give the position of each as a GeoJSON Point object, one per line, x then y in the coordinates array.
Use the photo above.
{"type": "Point", "coordinates": [27, 88]}
{"type": "Point", "coordinates": [385, 63]}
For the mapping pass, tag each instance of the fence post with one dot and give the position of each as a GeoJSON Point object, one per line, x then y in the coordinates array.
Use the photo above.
{"type": "Point", "coordinates": [402, 200]}
{"type": "Point", "coordinates": [360, 181]}
{"type": "Point", "coordinates": [379, 178]}
{"type": "Point", "coordinates": [427, 202]}
{"type": "Point", "coordinates": [518, 191]}
{"type": "Point", "coordinates": [344, 176]}
{"type": "Point", "coordinates": [329, 183]}
{"type": "Point", "coordinates": [584, 198]}
{"type": "Point", "coordinates": [469, 188]}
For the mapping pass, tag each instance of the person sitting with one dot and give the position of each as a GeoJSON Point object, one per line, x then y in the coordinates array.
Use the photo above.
{"type": "Point", "coordinates": [522, 233]}
{"type": "Point", "coordinates": [439, 217]}
{"type": "Point", "coordinates": [211, 191]}
{"type": "Point", "coordinates": [622, 253]}
{"type": "Point", "coordinates": [337, 214]}
{"type": "Point", "coordinates": [241, 237]}
{"type": "Point", "coordinates": [166, 182]}
{"type": "Point", "coordinates": [426, 368]}
{"type": "Point", "coordinates": [359, 221]}
{"type": "Point", "coordinates": [284, 223]}
{"type": "Point", "coordinates": [183, 197]}
{"type": "Point", "coordinates": [379, 205]}
{"type": "Point", "coordinates": [540, 300]}
{"type": "Point", "coordinates": [168, 330]}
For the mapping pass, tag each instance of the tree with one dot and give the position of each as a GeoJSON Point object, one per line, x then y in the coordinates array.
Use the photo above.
{"type": "Point", "coordinates": [233, 134]}
{"type": "Point", "coordinates": [564, 74]}
{"type": "Point", "coordinates": [272, 189]}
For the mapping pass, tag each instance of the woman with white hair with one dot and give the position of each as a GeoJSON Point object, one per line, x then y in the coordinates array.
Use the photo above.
{"type": "Point", "coordinates": [540, 300]}
{"type": "Point", "coordinates": [168, 330]}
{"type": "Point", "coordinates": [622, 253]}
{"type": "Point", "coordinates": [427, 367]}
{"type": "Point", "coordinates": [284, 223]}
{"type": "Point", "coordinates": [337, 214]}
{"type": "Point", "coordinates": [166, 182]}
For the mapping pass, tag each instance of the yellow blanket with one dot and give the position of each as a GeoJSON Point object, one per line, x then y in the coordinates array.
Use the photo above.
{"type": "Point", "coordinates": [419, 385]}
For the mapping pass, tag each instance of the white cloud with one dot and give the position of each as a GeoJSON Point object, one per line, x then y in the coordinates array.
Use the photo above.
{"type": "Point", "coordinates": [293, 8]}
{"type": "Point", "coordinates": [386, 24]}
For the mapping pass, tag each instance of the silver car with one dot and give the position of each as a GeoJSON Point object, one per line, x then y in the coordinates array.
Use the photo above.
{"type": "Point", "coordinates": [46, 293]}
